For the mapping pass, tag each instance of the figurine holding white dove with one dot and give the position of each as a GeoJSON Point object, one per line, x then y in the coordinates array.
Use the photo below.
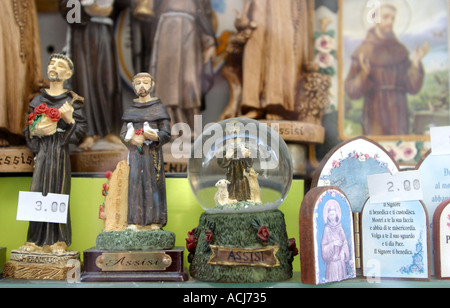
{"type": "Point", "coordinates": [145, 130]}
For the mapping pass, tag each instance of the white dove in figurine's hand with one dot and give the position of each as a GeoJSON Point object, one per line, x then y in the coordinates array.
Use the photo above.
{"type": "Point", "coordinates": [130, 132]}
{"type": "Point", "coordinates": [147, 127]}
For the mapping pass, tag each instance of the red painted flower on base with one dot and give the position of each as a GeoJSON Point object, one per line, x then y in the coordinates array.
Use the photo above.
{"type": "Point", "coordinates": [293, 246]}
{"type": "Point", "coordinates": [263, 233]}
{"type": "Point", "coordinates": [208, 236]}
{"type": "Point", "coordinates": [191, 241]}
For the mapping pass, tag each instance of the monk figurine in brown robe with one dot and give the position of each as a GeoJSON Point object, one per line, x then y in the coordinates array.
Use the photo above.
{"type": "Point", "coordinates": [55, 120]}
{"type": "Point", "coordinates": [146, 128]}
{"type": "Point", "coordinates": [237, 161]}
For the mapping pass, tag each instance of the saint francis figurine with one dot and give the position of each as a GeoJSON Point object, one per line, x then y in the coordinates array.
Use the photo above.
{"type": "Point", "coordinates": [145, 130]}
{"type": "Point", "coordinates": [55, 120]}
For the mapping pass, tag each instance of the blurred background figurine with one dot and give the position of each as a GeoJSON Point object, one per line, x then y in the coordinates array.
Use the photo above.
{"type": "Point", "coordinates": [141, 17]}
{"type": "Point", "coordinates": [183, 46]}
{"type": "Point", "coordinates": [55, 120]}
{"type": "Point", "coordinates": [20, 59]}
{"type": "Point", "coordinates": [93, 50]}
{"type": "Point", "coordinates": [271, 46]}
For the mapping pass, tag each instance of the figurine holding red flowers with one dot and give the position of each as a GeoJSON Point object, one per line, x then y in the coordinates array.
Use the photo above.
{"type": "Point", "coordinates": [44, 120]}
{"type": "Point", "coordinates": [56, 119]}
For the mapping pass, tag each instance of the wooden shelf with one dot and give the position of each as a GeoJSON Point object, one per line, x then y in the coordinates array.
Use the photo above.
{"type": "Point", "coordinates": [294, 282]}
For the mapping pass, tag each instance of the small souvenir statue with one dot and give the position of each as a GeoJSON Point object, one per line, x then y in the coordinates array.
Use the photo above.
{"type": "Point", "coordinates": [135, 208]}
{"type": "Point", "coordinates": [145, 131]}
{"type": "Point", "coordinates": [241, 178]}
{"type": "Point", "coordinates": [56, 119]}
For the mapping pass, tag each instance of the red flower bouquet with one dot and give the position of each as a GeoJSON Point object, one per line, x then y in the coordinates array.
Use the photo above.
{"type": "Point", "coordinates": [139, 131]}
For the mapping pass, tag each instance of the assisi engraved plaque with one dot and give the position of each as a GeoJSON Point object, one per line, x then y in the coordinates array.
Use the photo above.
{"type": "Point", "coordinates": [133, 261]}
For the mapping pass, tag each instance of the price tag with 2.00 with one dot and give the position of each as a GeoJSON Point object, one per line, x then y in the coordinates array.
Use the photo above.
{"type": "Point", "coordinates": [401, 186]}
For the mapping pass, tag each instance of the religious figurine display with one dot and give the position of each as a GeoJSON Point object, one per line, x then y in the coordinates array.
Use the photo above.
{"type": "Point", "coordinates": [55, 120]}
{"type": "Point", "coordinates": [135, 208]}
{"type": "Point", "coordinates": [240, 173]}
{"type": "Point", "coordinates": [180, 53]}
{"type": "Point", "coordinates": [93, 50]}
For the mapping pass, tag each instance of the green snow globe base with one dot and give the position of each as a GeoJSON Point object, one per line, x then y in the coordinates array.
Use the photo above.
{"type": "Point", "coordinates": [241, 248]}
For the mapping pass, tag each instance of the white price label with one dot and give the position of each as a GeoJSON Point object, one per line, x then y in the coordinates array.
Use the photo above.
{"type": "Point", "coordinates": [401, 186]}
{"type": "Point", "coordinates": [33, 206]}
{"type": "Point", "coordinates": [440, 140]}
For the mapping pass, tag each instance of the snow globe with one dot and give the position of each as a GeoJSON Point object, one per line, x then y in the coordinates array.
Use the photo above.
{"type": "Point", "coordinates": [240, 172]}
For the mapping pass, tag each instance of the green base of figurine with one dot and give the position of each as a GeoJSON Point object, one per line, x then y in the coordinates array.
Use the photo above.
{"type": "Point", "coordinates": [241, 248]}
{"type": "Point", "coordinates": [135, 240]}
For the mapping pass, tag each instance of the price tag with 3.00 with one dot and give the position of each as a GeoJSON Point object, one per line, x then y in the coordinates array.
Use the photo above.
{"type": "Point", "coordinates": [33, 206]}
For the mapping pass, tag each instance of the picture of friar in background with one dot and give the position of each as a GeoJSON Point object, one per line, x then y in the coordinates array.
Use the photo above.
{"type": "Point", "coordinates": [383, 74]}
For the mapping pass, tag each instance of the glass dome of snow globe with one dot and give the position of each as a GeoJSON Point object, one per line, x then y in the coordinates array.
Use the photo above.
{"type": "Point", "coordinates": [239, 165]}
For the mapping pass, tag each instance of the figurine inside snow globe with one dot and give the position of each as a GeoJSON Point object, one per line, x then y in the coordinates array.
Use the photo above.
{"type": "Point", "coordinates": [240, 165]}
{"type": "Point", "coordinates": [240, 172]}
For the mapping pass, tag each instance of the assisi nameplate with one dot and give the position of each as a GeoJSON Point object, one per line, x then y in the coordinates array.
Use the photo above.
{"type": "Point", "coordinates": [261, 257]}
{"type": "Point", "coordinates": [133, 261]}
